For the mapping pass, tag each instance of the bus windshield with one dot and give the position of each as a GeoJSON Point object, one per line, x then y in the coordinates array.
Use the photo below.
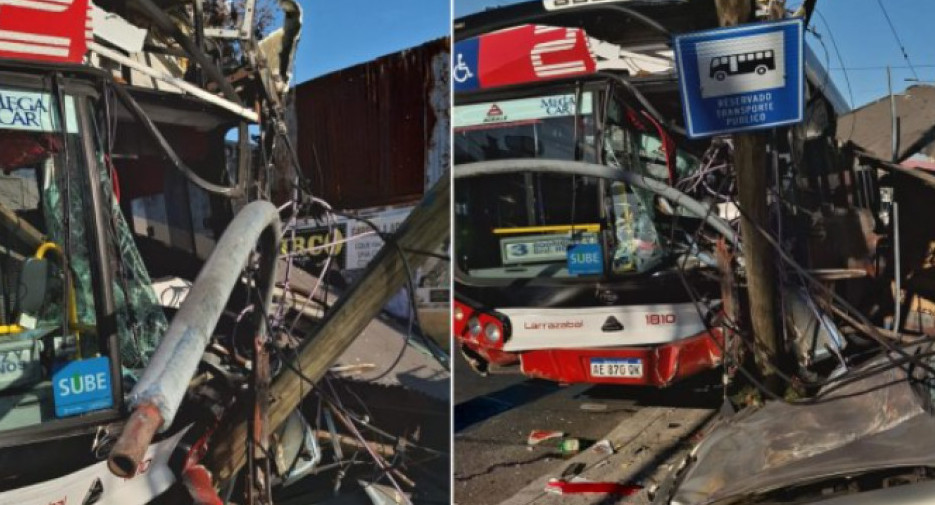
{"type": "Point", "coordinates": [524, 225]}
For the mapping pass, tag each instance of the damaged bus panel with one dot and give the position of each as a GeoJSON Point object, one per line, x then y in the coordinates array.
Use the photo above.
{"type": "Point", "coordinates": [576, 277]}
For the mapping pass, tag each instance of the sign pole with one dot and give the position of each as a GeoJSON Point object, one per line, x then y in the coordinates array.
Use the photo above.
{"type": "Point", "coordinates": [759, 258]}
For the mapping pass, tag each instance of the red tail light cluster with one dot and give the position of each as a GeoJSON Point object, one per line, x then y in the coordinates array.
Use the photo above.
{"type": "Point", "coordinates": [478, 327]}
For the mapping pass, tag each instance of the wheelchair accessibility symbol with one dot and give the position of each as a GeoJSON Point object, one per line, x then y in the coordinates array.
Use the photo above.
{"type": "Point", "coordinates": [461, 72]}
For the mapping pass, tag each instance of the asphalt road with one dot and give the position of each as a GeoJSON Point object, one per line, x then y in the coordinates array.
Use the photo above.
{"type": "Point", "coordinates": [494, 415]}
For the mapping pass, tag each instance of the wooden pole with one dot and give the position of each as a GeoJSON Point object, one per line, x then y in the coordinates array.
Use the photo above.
{"type": "Point", "coordinates": [759, 258]}
{"type": "Point", "coordinates": [425, 229]}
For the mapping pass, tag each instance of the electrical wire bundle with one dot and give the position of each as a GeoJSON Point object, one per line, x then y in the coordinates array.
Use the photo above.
{"type": "Point", "coordinates": [283, 319]}
{"type": "Point", "coordinates": [909, 356]}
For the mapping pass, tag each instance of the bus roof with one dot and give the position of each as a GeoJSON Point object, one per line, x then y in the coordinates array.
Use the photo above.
{"type": "Point", "coordinates": [605, 23]}
{"type": "Point", "coordinates": [602, 21]}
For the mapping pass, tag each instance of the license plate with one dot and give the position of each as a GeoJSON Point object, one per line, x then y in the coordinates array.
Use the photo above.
{"type": "Point", "coordinates": [629, 367]}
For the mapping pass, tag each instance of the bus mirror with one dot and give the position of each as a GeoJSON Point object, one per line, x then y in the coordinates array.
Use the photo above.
{"type": "Point", "coordinates": [33, 285]}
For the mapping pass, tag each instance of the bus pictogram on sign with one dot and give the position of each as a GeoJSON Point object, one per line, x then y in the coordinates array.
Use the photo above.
{"type": "Point", "coordinates": [758, 62]}
{"type": "Point", "coordinates": [741, 78]}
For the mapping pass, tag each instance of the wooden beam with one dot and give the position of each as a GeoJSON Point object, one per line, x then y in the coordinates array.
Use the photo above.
{"type": "Point", "coordinates": [921, 176]}
{"type": "Point", "coordinates": [21, 228]}
{"type": "Point", "coordinates": [426, 228]}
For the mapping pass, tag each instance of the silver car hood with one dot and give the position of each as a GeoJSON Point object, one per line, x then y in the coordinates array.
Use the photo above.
{"type": "Point", "coordinates": [879, 422]}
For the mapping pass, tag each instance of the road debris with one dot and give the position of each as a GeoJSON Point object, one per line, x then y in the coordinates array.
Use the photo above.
{"type": "Point", "coordinates": [569, 447]}
{"type": "Point", "coordinates": [593, 407]}
{"type": "Point", "coordinates": [536, 437]}
{"type": "Point", "coordinates": [603, 447]}
{"type": "Point", "coordinates": [580, 485]}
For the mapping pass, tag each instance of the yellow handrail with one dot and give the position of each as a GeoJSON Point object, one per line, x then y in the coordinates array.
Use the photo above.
{"type": "Point", "coordinates": [589, 227]}
{"type": "Point", "coordinates": [72, 298]}
{"type": "Point", "coordinates": [6, 329]}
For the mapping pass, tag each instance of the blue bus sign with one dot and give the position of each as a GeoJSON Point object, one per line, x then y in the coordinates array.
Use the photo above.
{"type": "Point", "coordinates": [741, 78]}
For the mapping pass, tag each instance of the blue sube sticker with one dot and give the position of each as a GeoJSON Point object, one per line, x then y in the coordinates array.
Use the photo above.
{"type": "Point", "coordinates": [82, 386]}
{"type": "Point", "coordinates": [585, 259]}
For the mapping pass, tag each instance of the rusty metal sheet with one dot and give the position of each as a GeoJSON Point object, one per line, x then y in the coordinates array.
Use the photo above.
{"type": "Point", "coordinates": [368, 135]}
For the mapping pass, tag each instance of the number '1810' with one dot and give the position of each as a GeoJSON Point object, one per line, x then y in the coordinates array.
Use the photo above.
{"type": "Point", "coordinates": [657, 319]}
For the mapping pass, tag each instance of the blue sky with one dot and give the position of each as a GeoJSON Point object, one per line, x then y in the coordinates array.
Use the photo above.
{"type": "Point", "coordinates": [864, 39]}
{"type": "Point", "coordinates": [340, 33]}
{"type": "Point", "coordinates": [866, 50]}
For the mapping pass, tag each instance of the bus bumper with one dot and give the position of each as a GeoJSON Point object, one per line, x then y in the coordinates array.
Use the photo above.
{"type": "Point", "coordinates": [662, 365]}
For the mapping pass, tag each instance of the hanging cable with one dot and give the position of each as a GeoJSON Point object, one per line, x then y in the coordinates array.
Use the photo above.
{"type": "Point", "coordinates": [438, 354]}
{"type": "Point", "coordinates": [142, 117]}
{"type": "Point", "coordinates": [899, 42]}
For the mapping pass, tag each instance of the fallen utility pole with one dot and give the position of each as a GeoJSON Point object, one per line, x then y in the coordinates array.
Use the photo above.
{"type": "Point", "coordinates": [759, 259]}
{"type": "Point", "coordinates": [425, 229]}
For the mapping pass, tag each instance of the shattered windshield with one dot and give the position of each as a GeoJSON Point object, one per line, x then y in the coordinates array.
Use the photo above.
{"type": "Point", "coordinates": [52, 361]}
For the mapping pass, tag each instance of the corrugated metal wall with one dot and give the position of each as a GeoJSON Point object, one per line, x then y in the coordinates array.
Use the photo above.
{"type": "Point", "coordinates": [365, 134]}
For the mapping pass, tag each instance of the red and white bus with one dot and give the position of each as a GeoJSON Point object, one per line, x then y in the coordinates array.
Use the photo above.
{"type": "Point", "coordinates": [577, 253]}
{"type": "Point", "coordinates": [566, 266]}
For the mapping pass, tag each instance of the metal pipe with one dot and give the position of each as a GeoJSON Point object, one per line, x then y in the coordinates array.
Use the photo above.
{"type": "Point", "coordinates": [129, 450]}
{"type": "Point", "coordinates": [676, 197]}
{"type": "Point", "coordinates": [155, 399]}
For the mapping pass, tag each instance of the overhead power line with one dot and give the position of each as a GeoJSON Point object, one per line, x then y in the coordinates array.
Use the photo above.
{"type": "Point", "coordinates": [883, 67]}
{"type": "Point", "coordinates": [898, 40]}
{"type": "Point", "coordinates": [847, 79]}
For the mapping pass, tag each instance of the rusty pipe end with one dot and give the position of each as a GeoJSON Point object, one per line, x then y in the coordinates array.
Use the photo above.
{"type": "Point", "coordinates": [137, 434]}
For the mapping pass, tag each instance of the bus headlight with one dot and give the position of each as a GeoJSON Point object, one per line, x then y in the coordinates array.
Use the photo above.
{"type": "Point", "coordinates": [459, 313]}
